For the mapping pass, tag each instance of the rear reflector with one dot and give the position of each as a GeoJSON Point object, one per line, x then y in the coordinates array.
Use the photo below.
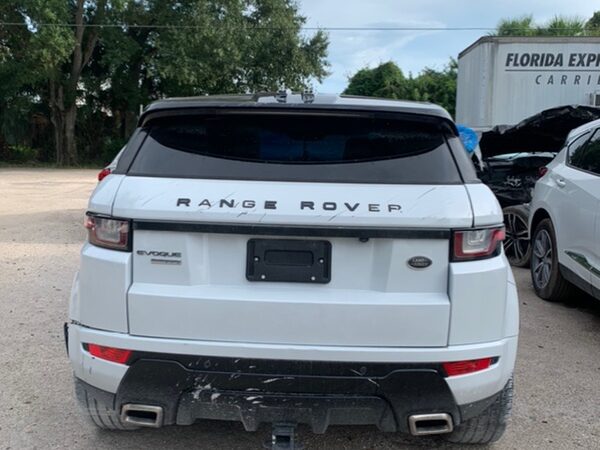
{"type": "Point", "coordinates": [116, 355]}
{"type": "Point", "coordinates": [455, 368]}
{"type": "Point", "coordinates": [103, 174]}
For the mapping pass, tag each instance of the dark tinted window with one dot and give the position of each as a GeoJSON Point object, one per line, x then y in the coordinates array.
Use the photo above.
{"type": "Point", "coordinates": [463, 161]}
{"type": "Point", "coordinates": [585, 154]}
{"type": "Point", "coordinates": [296, 147]}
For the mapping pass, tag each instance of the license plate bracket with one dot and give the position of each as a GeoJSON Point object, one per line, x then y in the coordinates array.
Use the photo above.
{"type": "Point", "coordinates": [288, 260]}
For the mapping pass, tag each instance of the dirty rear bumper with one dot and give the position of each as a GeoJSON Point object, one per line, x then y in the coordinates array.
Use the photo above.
{"type": "Point", "coordinates": [315, 393]}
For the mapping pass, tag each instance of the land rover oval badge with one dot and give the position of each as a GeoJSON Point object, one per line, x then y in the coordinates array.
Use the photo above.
{"type": "Point", "coordinates": [419, 262]}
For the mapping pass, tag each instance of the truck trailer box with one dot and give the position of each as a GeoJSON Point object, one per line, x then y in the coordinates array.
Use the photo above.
{"type": "Point", "coordinates": [502, 80]}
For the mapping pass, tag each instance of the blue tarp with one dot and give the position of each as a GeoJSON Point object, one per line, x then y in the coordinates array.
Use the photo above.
{"type": "Point", "coordinates": [468, 137]}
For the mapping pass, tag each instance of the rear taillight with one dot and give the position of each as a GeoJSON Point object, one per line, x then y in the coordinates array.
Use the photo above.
{"type": "Point", "coordinates": [477, 244]}
{"type": "Point", "coordinates": [455, 368]}
{"type": "Point", "coordinates": [116, 355]}
{"type": "Point", "coordinates": [542, 171]}
{"type": "Point", "coordinates": [109, 233]}
{"type": "Point", "coordinates": [103, 174]}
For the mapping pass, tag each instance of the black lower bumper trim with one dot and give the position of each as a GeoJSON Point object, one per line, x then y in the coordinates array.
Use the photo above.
{"type": "Point", "coordinates": [317, 411]}
{"type": "Point", "coordinates": [293, 230]}
{"type": "Point", "coordinates": [318, 394]}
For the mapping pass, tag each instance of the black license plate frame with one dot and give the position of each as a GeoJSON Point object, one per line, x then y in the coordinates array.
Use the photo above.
{"type": "Point", "coordinates": [288, 260]}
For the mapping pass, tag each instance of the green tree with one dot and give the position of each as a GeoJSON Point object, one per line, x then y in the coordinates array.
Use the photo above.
{"type": "Point", "coordinates": [210, 47]}
{"type": "Point", "coordinates": [385, 80]}
{"type": "Point", "coordinates": [53, 57]}
{"type": "Point", "coordinates": [562, 26]}
{"type": "Point", "coordinates": [592, 26]}
{"type": "Point", "coordinates": [388, 81]}
{"type": "Point", "coordinates": [557, 26]}
{"type": "Point", "coordinates": [522, 26]}
{"type": "Point", "coordinates": [85, 57]}
{"type": "Point", "coordinates": [438, 86]}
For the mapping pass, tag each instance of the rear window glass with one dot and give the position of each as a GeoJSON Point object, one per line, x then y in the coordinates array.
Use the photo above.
{"type": "Point", "coordinates": [297, 147]}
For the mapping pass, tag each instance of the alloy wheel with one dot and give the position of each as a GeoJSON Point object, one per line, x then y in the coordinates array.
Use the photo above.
{"type": "Point", "coordinates": [541, 259]}
{"type": "Point", "coordinates": [516, 244]}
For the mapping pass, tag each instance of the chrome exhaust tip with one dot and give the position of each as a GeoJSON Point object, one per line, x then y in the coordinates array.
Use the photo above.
{"type": "Point", "coordinates": [427, 424]}
{"type": "Point", "coordinates": [142, 415]}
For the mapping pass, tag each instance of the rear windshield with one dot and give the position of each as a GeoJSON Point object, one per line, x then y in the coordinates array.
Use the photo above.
{"type": "Point", "coordinates": [297, 147]}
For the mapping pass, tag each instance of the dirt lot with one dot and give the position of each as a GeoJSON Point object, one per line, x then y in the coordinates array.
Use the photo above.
{"type": "Point", "coordinates": [557, 378]}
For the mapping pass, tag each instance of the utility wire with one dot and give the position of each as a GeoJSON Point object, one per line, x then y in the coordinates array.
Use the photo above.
{"type": "Point", "coordinates": [125, 25]}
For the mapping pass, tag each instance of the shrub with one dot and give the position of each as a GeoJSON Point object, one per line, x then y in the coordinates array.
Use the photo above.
{"type": "Point", "coordinates": [22, 154]}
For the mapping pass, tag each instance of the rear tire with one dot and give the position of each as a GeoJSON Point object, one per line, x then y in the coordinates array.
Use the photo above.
{"type": "Point", "coordinates": [517, 246]}
{"type": "Point", "coordinates": [547, 280]}
{"type": "Point", "coordinates": [490, 425]}
{"type": "Point", "coordinates": [98, 407]}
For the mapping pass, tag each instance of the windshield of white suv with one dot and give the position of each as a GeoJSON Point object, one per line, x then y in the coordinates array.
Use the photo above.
{"type": "Point", "coordinates": [297, 147]}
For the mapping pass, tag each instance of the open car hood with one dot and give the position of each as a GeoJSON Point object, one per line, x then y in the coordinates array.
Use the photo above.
{"type": "Point", "coordinates": [543, 132]}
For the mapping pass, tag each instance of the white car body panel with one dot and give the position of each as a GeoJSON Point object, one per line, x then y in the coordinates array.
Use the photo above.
{"type": "Point", "coordinates": [478, 290]}
{"type": "Point", "coordinates": [486, 209]}
{"type": "Point", "coordinates": [102, 284]}
{"type": "Point", "coordinates": [104, 194]}
{"type": "Point", "coordinates": [156, 198]}
{"type": "Point", "coordinates": [276, 315]}
{"type": "Point", "coordinates": [571, 197]}
{"type": "Point", "coordinates": [410, 307]}
{"type": "Point", "coordinates": [511, 312]}
{"type": "Point", "coordinates": [574, 207]}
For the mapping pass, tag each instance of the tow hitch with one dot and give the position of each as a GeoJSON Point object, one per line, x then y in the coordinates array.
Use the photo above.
{"type": "Point", "coordinates": [283, 437]}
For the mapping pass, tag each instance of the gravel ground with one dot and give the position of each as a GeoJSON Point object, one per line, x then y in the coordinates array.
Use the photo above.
{"type": "Point", "coordinates": [41, 211]}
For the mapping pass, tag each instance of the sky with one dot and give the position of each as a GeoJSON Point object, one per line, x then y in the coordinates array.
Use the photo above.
{"type": "Point", "coordinates": [414, 50]}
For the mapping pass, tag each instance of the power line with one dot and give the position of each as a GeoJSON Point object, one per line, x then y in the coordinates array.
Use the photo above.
{"type": "Point", "coordinates": [312, 28]}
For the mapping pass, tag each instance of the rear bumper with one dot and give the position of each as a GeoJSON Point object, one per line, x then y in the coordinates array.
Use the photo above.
{"type": "Point", "coordinates": [318, 394]}
{"type": "Point", "coordinates": [317, 385]}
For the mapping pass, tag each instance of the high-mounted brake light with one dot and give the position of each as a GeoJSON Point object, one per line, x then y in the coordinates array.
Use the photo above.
{"type": "Point", "coordinates": [477, 244]}
{"type": "Point", "coordinates": [103, 174]}
{"type": "Point", "coordinates": [108, 233]}
{"type": "Point", "coordinates": [455, 368]}
{"type": "Point", "coordinates": [116, 355]}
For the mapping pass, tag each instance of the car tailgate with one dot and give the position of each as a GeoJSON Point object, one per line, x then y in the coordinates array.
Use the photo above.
{"type": "Point", "coordinates": [190, 279]}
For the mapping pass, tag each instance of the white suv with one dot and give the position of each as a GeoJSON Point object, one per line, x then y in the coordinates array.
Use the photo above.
{"type": "Point", "coordinates": [295, 259]}
{"type": "Point", "coordinates": [565, 219]}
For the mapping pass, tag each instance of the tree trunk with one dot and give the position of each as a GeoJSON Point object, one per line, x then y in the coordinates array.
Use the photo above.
{"type": "Point", "coordinates": [57, 119]}
{"type": "Point", "coordinates": [63, 92]}
{"type": "Point", "coordinates": [70, 144]}
{"type": "Point", "coordinates": [63, 120]}
{"type": "Point", "coordinates": [58, 127]}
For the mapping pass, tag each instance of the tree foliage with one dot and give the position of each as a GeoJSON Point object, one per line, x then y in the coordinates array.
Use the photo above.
{"type": "Point", "coordinates": [388, 81]}
{"type": "Point", "coordinates": [86, 69]}
{"type": "Point", "coordinates": [557, 26]}
{"type": "Point", "coordinates": [593, 25]}
{"type": "Point", "coordinates": [522, 26]}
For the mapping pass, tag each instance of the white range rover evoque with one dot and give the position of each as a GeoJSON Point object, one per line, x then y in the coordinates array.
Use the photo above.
{"type": "Point", "coordinates": [295, 259]}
